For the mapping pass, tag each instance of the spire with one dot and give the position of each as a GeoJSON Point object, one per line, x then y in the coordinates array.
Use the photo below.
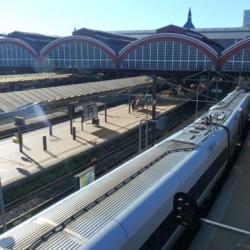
{"type": "Point", "coordinates": [189, 24]}
{"type": "Point", "coordinates": [189, 15]}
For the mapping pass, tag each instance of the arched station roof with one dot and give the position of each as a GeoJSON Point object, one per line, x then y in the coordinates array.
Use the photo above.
{"type": "Point", "coordinates": [20, 43]}
{"type": "Point", "coordinates": [233, 49]}
{"type": "Point", "coordinates": [209, 51]}
{"type": "Point", "coordinates": [80, 39]}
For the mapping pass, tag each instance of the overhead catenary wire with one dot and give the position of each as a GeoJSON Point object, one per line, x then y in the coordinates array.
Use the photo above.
{"type": "Point", "coordinates": [192, 91]}
{"type": "Point", "coordinates": [190, 100]}
{"type": "Point", "coordinates": [173, 85]}
{"type": "Point", "coordinates": [171, 98]}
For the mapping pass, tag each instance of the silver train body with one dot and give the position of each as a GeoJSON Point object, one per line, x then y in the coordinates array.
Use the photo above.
{"type": "Point", "coordinates": [131, 207]}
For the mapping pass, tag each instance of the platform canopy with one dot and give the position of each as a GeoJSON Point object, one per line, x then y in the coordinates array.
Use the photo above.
{"type": "Point", "coordinates": [13, 101]}
{"type": "Point", "coordinates": [5, 79]}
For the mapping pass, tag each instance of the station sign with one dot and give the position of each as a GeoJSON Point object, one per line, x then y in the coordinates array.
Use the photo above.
{"type": "Point", "coordinates": [90, 113]}
{"type": "Point", "coordinates": [85, 178]}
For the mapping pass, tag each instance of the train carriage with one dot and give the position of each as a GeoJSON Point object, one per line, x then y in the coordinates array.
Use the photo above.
{"type": "Point", "coordinates": [131, 207]}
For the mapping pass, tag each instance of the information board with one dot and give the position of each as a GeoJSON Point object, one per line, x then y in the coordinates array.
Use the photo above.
{"type": "Point", "coordinates": [90, 113]}
{"type": "Point", "coordinates": [86, 177]}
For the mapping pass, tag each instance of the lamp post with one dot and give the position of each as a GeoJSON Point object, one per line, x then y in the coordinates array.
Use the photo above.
{"type": "Point", "coordinates": [2, 207]}
{"type": "Point", "coordinates": [219, 80]}
{"type": "Point", "coordinates": [197, 86]}
{"type": "Point", "coordinates": [197, 98]}
{"type": "Point", "coordinates": [154, 97]}
{"type": "Point", "coordinates": [160, 124]}
{"type": "Point", "coordinates": [216, 90]}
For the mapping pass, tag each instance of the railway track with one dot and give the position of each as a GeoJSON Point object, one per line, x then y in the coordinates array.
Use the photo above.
{"type": "Point", "coordinates": [26, 206]}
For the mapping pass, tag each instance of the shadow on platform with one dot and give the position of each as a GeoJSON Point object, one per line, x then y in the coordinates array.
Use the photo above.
{"type": "Point", "coordinates": [30, 159]}
{"type": "Point", "coordinates": [51, 154]}
{"type": "Point", "coordinates": [117, 125]}
{"type": "Point", "coordinates": [164, 102]}
{"type": "Point", "coordinates": [79, 138]}
{"type": "Point", "coordinates": [147, 112]}
{"type": "Point", "coordinates": [112, 116]}
{"type": "Point", "coordinates": [104, 133]}
{"type": "Point", "coordinates": [54, 138]}
{"type": "Point", "coordinates": [23, 171]}
{"type": "Point", "coordinates": [27, 148]}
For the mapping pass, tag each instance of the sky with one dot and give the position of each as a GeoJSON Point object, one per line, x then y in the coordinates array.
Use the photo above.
{"type": "Point", "coordinates": [60, 17]}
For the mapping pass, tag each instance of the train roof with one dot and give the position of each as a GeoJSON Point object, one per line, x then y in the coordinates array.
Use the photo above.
{"type": "Point", "coordinates": [229, 102]}
{"type": "Point", "coordinates": [97, 204]}
{"type": "Point", "coordinates": [218, 114]}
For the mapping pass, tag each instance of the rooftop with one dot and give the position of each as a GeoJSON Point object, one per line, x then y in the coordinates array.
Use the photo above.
{"type": "Point", "coordinates": [115, 41]}
{"type": "Point", "coordinates": [35, 40]}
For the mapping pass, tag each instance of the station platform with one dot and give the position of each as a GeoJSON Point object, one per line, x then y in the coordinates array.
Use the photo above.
{"type": "Point", "coordinates": [231, 207]}
{"type": "Point", "coordinates": [15, 165]}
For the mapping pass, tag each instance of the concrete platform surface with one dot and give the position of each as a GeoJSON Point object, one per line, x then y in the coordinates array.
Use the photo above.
{"type": "Point", "coordinates": [232, 207]}
{"type": "Point", "coordinates": [15, 165]}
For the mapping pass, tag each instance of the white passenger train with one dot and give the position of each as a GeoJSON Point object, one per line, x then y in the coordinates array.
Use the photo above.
{"type": "Point", "coordinates": [131, 207]}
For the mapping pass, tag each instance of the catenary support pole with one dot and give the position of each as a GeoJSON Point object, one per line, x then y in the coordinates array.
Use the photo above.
{"type": "Point", "coordinates": [2, 207]}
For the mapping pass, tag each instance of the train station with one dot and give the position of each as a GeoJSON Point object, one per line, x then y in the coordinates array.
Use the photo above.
{"type": "Point", "coordinates": [170, 48]}
{"type": "Point", "coordinates": [126, 139]}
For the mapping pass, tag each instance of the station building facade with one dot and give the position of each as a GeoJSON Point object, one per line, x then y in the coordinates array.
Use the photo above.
{"type": "Point", "coordinates": [170, 48]}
